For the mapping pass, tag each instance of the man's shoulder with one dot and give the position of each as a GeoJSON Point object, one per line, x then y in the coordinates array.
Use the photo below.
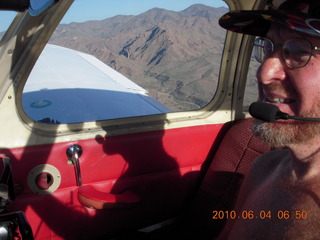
{"type": "Point", "coordinates": [266, 165]}
{"type": "Point", "coordinates": [271, 160]}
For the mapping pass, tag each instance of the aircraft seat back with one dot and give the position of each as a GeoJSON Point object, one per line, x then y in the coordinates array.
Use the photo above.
{"type": "Point", "coordinates": [221, 184]}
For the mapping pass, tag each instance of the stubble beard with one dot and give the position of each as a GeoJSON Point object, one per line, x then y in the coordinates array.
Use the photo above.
{"type": "Point", "coordinates": [285, 133]}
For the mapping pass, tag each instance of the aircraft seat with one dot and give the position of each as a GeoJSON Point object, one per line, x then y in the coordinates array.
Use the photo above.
{"type": "Point", "coordinates": [220, 186]}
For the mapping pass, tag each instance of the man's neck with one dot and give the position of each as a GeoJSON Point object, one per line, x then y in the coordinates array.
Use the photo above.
{"type": "Point", "coordinates": [306, 158]}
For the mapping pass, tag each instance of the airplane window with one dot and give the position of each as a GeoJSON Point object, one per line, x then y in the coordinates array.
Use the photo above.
{"type": "Point", "coordinates": [123, 59]}
{"type": "Point", "coordinates": [6, 17]}
{"type": "Point", "coordinates": [251, 91]}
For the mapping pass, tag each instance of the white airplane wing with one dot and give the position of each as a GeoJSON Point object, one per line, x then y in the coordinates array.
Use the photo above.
{"type": "Point", "coordinates": [68, 86]}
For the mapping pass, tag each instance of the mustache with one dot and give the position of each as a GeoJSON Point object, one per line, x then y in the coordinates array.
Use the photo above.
{"type": "Point", "coordinates": [277, 87]}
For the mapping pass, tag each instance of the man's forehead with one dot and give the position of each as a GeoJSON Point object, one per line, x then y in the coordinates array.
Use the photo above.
{"type": "Point", "coordinates": [283, 33]}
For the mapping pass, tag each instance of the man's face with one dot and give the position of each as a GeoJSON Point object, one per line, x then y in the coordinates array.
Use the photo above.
{"type": "Point", "coordinates": [294, 91]}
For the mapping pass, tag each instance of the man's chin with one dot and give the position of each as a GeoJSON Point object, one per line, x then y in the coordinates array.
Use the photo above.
{"type": "Point", "coordinates": [282, 134]}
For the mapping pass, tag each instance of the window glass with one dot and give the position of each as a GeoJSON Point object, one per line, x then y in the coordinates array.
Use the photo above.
{"type": "Point", "coordinates": [251, 91]}
{"type": "Point", "coordinates": [124, 59]}
{"type": "Point", "coordinates": [6, 17]}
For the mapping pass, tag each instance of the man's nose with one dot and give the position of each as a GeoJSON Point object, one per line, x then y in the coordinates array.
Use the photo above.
{"type": "Point", "coordinates": [272, 69]}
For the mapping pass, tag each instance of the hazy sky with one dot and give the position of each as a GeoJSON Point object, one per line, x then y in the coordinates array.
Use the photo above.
{"type": "Point", "coordinates": [83, 10]}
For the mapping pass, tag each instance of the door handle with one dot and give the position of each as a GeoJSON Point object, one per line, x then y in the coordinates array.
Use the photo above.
{"type": "Point", "coordinates": [90, 197]}
{"type": "Point", "coordinates": [74, 153]}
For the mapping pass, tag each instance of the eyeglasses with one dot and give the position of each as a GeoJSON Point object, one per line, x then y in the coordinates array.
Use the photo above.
{"type": "Point", "coordinates": [295, 52]}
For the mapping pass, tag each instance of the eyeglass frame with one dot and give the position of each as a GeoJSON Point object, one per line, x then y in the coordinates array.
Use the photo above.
{"type": "Point", "coordinates": [275, 46]}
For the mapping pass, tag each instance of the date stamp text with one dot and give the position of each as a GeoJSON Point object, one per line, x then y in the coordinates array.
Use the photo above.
{"type": "Point", "coordinates": [285, 214]}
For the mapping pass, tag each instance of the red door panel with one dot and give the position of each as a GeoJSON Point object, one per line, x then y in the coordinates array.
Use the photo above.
{"type": "Point", "coordinates": [159, 168]}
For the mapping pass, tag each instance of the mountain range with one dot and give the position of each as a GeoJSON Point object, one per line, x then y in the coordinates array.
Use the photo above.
{"type": "Point", "coordinates": [174, 55]}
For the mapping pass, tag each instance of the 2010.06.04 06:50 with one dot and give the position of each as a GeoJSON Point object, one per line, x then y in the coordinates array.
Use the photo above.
{"type": "Point", "coordinates": [249, 214]}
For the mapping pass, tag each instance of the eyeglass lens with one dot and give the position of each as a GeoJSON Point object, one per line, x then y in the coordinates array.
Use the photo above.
{"type": "Point", "coordinates": [296, 52]}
